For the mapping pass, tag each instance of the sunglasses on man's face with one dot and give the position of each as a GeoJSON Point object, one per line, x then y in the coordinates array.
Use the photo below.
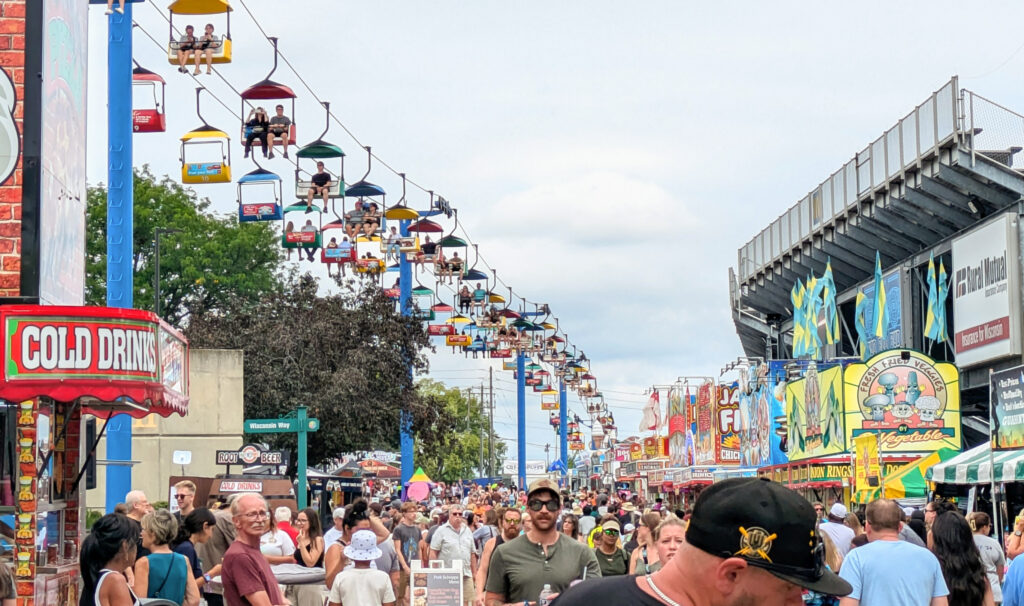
{"type": "Point", "coordinates": [182, 496]}
{"type": "Point", "coordinates": [537, 505]}
{"type": "Point", "coordinates": [513, 522]}
{"type": "Point", "coordinates": [611, 532]}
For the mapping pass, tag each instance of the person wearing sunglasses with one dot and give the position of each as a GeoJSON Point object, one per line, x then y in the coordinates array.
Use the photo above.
{"type": "Point", "coordinates": [510, 522]}
{"type": "Point", "coordinates": [245, 573]}
{"type": "Point", "coordinates": [519, 569]}
{"type": "Point", "coordinates": [611, 558]}
{"type": "Point", "coordinates": [749, 541]}
{"type": "Point", "coordinates": [185, 496]}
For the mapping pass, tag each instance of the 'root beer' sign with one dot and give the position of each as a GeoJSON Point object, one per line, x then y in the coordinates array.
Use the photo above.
{"type": "Point", "coordinates": [99, 353]}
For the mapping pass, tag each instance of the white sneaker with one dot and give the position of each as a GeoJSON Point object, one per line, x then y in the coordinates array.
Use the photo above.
{"type": "Point", "coordinates": [108, 12]}
{"type": "Point", "coordinates": [120, 9]}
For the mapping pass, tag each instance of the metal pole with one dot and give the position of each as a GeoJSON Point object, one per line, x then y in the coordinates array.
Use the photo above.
{"type": "Point", "coordinates": [490, 440]}
{"type": "Point", "coordinates": [303, 487]}
{"type": "Point", "coordinates": [563, 429]}
{"type": "Point", "coordinates": [408, 443]}
{"type": "Point", "coordinates": [120, 228]}
{"type": "Point", "coordinates": [991, 456]}
{"type": "Point", "coordinates": [521, 414]}
{"type": "Point", "coordinates": [481, 403]}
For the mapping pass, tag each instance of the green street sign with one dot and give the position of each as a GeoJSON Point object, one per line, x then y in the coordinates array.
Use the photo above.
{"type": "Point", "coordinates": [283, 425]}
{"type": "Point", "coordinates": [300, 424]}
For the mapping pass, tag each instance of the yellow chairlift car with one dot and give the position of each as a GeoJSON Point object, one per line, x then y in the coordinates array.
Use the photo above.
{"type": "Point", "coordinates": [211, 167]}
{"type": "Point", "coordinates": [219, 45]}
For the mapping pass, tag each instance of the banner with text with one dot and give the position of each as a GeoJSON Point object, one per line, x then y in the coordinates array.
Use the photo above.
{"type": "Point", "coordinates": [986, 293]}
{"type": "Point", "coordinates": [1008, 401]}
{"type": "Point", "coordinates": [909, 399]}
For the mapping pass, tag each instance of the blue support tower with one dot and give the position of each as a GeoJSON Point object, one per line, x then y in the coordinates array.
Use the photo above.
{"type": "Point", "coordinates": [407, 442]}
{"type": "Point", "coordinates": [563, 429]}
{"type": "Point", "coordinates": [120, 228]}
{"type": "Point", "coordinates": [521, 409]}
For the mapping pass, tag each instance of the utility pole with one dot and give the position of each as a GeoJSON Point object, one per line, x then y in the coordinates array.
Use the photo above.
{"type": "Point", "coordinates": [490, 461]}
{"type": "Point", "coordinates": [481, 402]}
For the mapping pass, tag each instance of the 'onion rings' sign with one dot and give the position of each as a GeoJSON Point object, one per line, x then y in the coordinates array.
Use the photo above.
{"type": "Point", "coordinates": [101, 353]}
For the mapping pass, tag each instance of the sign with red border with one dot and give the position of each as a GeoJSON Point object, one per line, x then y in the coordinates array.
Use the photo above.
{"type": "Point", "coordinates": [98, 353]}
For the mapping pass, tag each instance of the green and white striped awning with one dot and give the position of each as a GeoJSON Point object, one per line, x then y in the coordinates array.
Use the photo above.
{"type": "Point", "coordinates": [975, 467]}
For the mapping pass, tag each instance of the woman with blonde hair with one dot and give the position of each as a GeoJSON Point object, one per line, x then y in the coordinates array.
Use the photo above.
{"type": "Point", "coordinates": [853, 523]}
{"type": "Point", "coordinates": [163, 573]}
{"type": "Point", "coordinates": [645, 555]}
{"type": "Point", "coordinates": [834, 561]}
{"type": "Point", "coordinates": [668, 536]}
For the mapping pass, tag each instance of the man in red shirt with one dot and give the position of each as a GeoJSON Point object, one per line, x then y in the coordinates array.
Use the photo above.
{"type": "Point", "coordinates": [283, 516]}
{"type": "Point", "coordinates": [245, 573]}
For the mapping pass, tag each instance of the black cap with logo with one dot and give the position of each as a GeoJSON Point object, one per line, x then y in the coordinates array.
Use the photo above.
{"type": "Point", "coordinates": [769, 526]}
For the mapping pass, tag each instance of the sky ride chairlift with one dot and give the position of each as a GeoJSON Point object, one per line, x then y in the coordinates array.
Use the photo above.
{"type": "Point", "coordinates": [261, 206]}
{"type": "Point", "coordinates": [221, 45]}
{"type": "Point", "coordinates": [368, 238]}
{"type": "Point", "coordinates": [321, 150]}
{"type": "Point", "coordinates": [268, 90]}
{"type": "Point", "coordinates": [205, 135]}
{"type": "Point", "coordinates": [152, 118]}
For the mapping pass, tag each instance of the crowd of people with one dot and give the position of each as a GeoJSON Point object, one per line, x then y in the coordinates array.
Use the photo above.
{"type": "Point", "coordinates": [746, 541]}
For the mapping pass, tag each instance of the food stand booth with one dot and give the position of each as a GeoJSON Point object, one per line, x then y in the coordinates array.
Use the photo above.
{"type": "Point", "coordinates": [59, 365]}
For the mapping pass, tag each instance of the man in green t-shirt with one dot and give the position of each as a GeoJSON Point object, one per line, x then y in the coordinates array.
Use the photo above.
{"type": "Point", "coordinates": [520, 568]}
{"type": "Point", "coordinates": [610, 557]}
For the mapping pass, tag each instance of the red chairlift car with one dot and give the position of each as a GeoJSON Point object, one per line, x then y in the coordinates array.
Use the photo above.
{"type": "Point", "coordinates": [152, 118]}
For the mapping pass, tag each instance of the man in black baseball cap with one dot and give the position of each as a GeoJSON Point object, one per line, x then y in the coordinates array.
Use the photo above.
{"type": "Point", "coordinates": [749, 542]}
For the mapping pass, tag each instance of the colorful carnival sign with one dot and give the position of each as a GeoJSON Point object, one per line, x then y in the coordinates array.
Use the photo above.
{"type": "Point", "coordinates": [814, 413]}
{"type": "Point", "coordinates": [868, 471]}
{"type": "Point", "coordinates": [676, 427]}
{"type": "Point", "coordinates": [101, 353]}
{"type": "Point", "coordinates": [727, 423]}
{"type": "Point", "coordinates": [705, 432]}
{"type": "Point", "coordinates": [762, 412]}
{"type": "Point", "coordinates": [1008, 398]}
{"type": "Point", "coordinates": [911, 401]}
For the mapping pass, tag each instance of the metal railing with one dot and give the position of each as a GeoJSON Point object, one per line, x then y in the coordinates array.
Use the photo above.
{"type": "Point", "coordinates": [920, 133]}
{"type": "Point", "coordinates": [991, 129]}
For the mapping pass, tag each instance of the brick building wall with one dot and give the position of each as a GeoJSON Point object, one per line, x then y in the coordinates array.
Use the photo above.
{"type": "Point", "coordinates": [12, 61]}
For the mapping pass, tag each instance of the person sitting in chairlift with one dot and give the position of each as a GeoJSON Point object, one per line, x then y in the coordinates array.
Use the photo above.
{"type": "Point", "coordinates": [319, 186]}
{"type": "Point", "coordinates": [186, 48]}
{"type": "Point", "coordinates": [110, 8]}
{"type": "Point", "coordinates": [207, 42]}
{"type": "Point", "coordinates": [310, 228]}
{"type": "Point", "coordinates": [256, 130]}
{"type": "Point", "coordinates": [280, 128]}
{"type": "Point", "coordinates": [394, 244]}
{"type": "Point", "coordinates": [465, 299]}
{"type": "Point", "coordinates": [354, 220]}
{"type": "Point", "coordinates": [454, 265]}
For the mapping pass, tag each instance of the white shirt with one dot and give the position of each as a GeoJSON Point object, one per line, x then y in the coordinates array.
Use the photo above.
{"type": "Point", "coordinates": [994, 561]}
{"type": "Point", "coordinates": [454, 544]}
{"type": "Point", "coordinates": [331, 536]}
{"type": "Point", "coordinates": [277, 544]}
{"type": "Point", "coordinates": [362, 587]}
{"type": "Point", "coordinates": [841, 535]}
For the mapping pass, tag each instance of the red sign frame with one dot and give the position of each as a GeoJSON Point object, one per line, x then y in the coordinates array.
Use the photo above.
{"type": "Point", "coordinates": [98, 353]}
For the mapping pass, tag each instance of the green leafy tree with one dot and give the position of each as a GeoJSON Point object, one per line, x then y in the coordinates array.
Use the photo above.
{"type": "Point", "coordinates": [208, 262]}
{"type": "Point", "coordinates": [455, 454]}
{"type": "Point", "coordinates": [346, 357]}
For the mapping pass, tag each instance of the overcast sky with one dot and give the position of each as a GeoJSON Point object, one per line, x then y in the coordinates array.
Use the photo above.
{"type": "Point", "coordinates": [609, 158]}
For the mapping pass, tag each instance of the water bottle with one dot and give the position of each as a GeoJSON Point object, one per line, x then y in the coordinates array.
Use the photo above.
{"type": "Point", "coordinates": [545, 596]}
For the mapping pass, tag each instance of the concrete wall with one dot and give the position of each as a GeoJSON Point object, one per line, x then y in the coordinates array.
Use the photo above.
{"type": "Point", "coordinates": [214, 422]}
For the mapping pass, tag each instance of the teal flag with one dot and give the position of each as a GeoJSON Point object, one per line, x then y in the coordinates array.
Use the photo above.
{"type": "Point", "coordinates": [932, 313]}
{"type": "Point", "coordinates": [940, 303]}
{"type": "Point", "coordinates": [880, 318]}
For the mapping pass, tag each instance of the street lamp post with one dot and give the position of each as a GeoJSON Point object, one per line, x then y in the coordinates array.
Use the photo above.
{"type": "Point", "coordinates": [156, 264]}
